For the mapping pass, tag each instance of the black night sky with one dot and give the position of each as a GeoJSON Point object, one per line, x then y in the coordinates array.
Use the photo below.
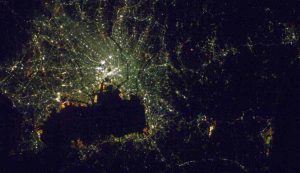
{"type": "Point", "coordinates": [164, 86]}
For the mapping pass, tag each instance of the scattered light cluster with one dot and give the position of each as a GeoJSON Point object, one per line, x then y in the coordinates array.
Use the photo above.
{"type": "Point", "coordinates": [72, 52]}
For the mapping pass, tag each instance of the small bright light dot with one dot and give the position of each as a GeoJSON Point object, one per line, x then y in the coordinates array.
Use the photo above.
{"type": "Point", "coordinates": [211, 129]}
{"type": "Point", "coordinates": [99, 68]}
{"type": "Point", "coordinates": [102, 62]}
{"type": "Point", "coordinates": [58, 97]}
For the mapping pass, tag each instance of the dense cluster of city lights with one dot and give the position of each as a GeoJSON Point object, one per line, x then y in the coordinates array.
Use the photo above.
{"type": "Point", "coordinates": [71, 53]}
